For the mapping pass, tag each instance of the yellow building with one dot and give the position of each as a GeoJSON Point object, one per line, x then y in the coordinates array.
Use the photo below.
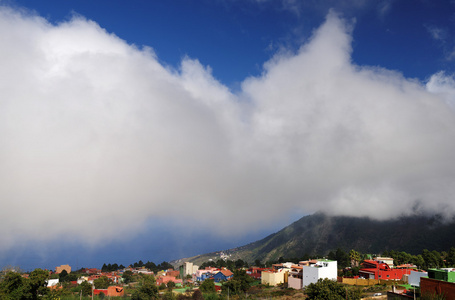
{"type": "Point", "coordinates": [274, 278]}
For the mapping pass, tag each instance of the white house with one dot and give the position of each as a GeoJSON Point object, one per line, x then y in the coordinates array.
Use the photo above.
{"type": "Point", "coordinates": [52, 282]}
{"type": "Point", "coordinates": [322, 268]}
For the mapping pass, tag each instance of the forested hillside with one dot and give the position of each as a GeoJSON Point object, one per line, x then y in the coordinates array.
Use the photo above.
{"type": "Point", "coordinates": [318, 234]}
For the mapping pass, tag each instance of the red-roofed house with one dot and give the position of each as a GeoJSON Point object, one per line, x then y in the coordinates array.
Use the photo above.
{"type": "Point", "coordinates": [166, 279]}
{"type": "Point", "coordinates": [223, 275]}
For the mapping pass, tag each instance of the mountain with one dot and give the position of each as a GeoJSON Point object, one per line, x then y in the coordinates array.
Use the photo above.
{"type": "Point", "coordinates": [319, 234]}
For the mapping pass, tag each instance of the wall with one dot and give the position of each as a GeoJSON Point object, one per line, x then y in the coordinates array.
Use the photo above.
{"type": "Point", "coordinates": [433, 286]}
{"type": "Point", "coordinates": [272, 278]}
{"type": "Point", "coordinates": [367, 282]}
{"type": "Point", "coordinates": [295, 283]}
{"type": "Point", "coordinates": [414, 277]}
{"type": "Point", "coordinates": [311, 274]}
{"type": "Point", "coordinates": [358, 281]}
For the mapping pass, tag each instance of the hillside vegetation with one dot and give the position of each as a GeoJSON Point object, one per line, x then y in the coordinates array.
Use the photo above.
{"type": "Point", "coordinates": [318, 234]}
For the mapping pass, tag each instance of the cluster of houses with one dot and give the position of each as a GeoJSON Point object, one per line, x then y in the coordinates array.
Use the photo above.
{"type": "Point", "coordinates": [372, 271]}
{"type": "Point", "coordinates": [297, 276]}
{"type": "Point", "coordinates": [92, 274]}
{"type": "Point", "coordinates": [190, 270]}
{"type": "Point", "coordinates": [440, 282]}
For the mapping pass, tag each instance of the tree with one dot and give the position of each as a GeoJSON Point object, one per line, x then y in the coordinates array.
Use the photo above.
{"type": "Point", "coordinates": [101, 283]}
{"type": "Point", "coordinates": [239, 284]}
{"type": "Point", "coordinates": [165, 265]}
{"type": "Point", "coordinates": [354, 256]}
{"type": "Point", "coordinates": [330, 290]}
{"type": "Point", "coordinates": [450, 259]}
{"type": "Point", "coordinates": [37, 283]}
{"type": "Point", "coordinates": [54, 294]}
{"type": "Point", "coordinates": [12, 286]}
{"type": "Point", "coordinates": [212, 296]}
{"type": "Point", "coordinates": [170, 285]}
{"type": "Point", "coordinates": [62, 277]}
{"type": "Point", "coordinates": [258, 263]}
{"type": "Point", "coordinates": [342, 258]}
{"type": "Point", "coordinates": [432, 258]}
{"type": "Point", "coordinates": [86, 288]}
{"type": "Point", "coordinates": [240, 264]}
{"type": "Point", "coordinates": [168, 296]}
{"type": "Point", "coordinates": [127, 276]}
{"type": "Point", "coordinates": [147, 290]}
{"type": "Point", "coordinates": [207, 286]}
{"type": "Point", "coordinates": [197, 295]}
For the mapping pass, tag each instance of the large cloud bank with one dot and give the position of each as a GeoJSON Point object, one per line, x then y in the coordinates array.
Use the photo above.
{"type": "Point", "coordinates": [93, 131]}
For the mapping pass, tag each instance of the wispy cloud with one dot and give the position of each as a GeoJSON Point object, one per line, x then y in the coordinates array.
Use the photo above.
{"type": "Point", "coordinates": [437, 33]}
{"type": "Point", "coordinates": [94, 129]}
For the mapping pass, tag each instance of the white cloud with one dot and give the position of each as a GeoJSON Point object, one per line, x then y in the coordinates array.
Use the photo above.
{"type": "Point", "coordinates": [93, 130]}
{"type": "Point", "coordinates": [444, 86]}
{"type": "Point", "coordinates": [436, 32]}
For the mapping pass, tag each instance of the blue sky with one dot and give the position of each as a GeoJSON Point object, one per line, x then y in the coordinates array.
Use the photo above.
{"type": "Point", "coordinates": [156, 130]}
{"type": "Point", "coordinates": [235, 38]}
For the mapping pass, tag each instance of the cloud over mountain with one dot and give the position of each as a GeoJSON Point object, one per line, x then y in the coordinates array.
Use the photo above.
{"type": "Point", "coordinates": [94, 129]}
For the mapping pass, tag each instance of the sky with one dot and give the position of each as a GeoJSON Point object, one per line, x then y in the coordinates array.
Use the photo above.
{"type": "Point", "coordinates": [157, 130]}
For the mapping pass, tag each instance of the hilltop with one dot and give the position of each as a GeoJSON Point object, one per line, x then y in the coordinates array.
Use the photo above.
{"type": "Point", "coordinates": [319, 234]}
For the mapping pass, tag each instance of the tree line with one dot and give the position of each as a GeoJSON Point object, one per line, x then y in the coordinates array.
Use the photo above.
{"type": "Point", "coordinates": [149, 265]}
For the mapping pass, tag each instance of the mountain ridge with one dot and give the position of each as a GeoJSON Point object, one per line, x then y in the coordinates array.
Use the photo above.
{"type": "Point", "coordinates": [318, 234]}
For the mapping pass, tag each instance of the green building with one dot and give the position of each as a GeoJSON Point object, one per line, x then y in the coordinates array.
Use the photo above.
{"type": "Point", "coordinates": [441, 274]}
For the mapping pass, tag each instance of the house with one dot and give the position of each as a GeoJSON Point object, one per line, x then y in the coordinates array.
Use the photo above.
{"type": "Point", "coordinates": [111, 291]}
{"type": "Point", "coordinates": [173, 273]}
{"type": "Point", "coordinates": [223, 275]}
{"type": "Point", "coordinates": [82, 279]}
{"type": "Point", "coordinates": [322, 268]}
{"type": "Point", "coordinates": [60, 269]}
{"type": "Point", "coordinates": [201, 275]}
{"type": "Point", "coordinates": [295, 277]}
{"type": "Point", "coordinates": [52, 282]}
{"type": "Point", "coordinates": [439, 282]}
{"type": "Point", "coordinates": [386, 260]}
{"type": "Point", "coordinates": [374, 269]}
{"type": "Point", "coordinates": [187, 269]}
{"type": "Point", "coordinates": [273, 277]}
{"type": "Point", "coordinates": [91, 271]}
{"type": "Point", "coordinates": [255, 272]}
{"type": "Point", "coordinates": [165, 279]}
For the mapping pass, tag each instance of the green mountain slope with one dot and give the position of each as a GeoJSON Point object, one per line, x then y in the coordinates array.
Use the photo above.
{"type": "Point", "coordinates": [320, 234]}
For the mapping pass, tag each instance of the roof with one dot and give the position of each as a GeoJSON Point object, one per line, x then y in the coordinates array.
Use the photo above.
{"type": "Point", "coordinates": [226, 273]}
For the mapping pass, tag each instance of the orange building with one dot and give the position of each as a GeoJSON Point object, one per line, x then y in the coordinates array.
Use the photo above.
{"type": "Point", "coordinates": [112, 291]}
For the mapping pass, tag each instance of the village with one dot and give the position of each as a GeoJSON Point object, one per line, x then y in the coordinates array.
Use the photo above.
{"type": "Point", "coordinates": [377, 278]}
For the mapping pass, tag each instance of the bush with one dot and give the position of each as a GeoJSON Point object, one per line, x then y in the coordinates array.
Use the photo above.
{"type": "Point", "coordinates": [330, 290]}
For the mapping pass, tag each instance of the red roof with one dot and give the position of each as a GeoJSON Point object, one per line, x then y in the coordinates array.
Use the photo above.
{"type": "Point", "coordinates": [226, 273]}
